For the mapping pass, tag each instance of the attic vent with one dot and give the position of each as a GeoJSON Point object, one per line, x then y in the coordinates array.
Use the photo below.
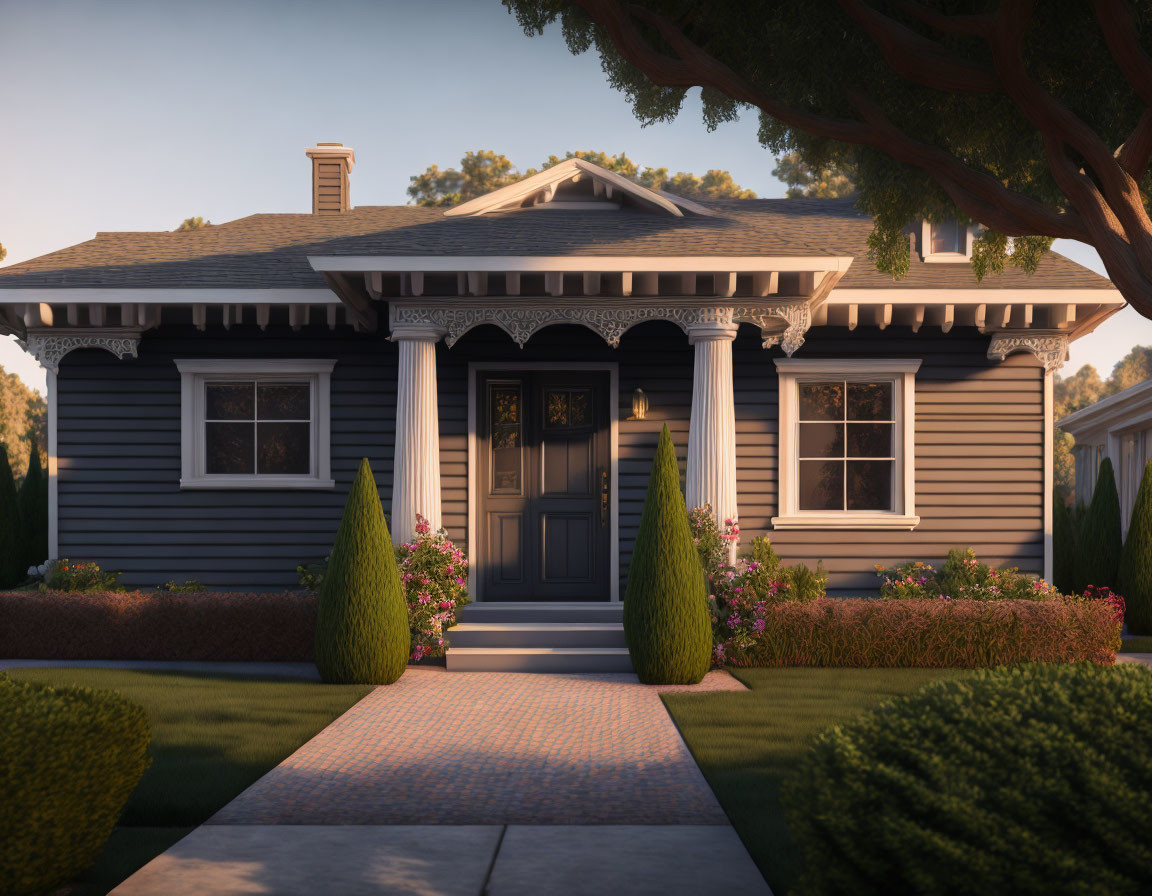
{"type": "Point", "coordinates": [331, 163]}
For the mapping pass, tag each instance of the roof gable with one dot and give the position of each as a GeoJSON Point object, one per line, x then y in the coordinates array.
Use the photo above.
{"type": "Point", "coordinates": [550, 185]}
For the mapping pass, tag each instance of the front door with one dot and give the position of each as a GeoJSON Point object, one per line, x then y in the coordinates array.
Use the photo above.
{"type": "Point", "coordinates": [543, 480]}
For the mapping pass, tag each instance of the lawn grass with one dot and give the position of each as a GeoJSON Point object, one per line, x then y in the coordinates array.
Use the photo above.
{"type": "Point", "coordinates": [1137, 644]}
{"type": "Point", "coordinates": [211, 738]}
{"type": "Point", "coordinates": [747, 743]}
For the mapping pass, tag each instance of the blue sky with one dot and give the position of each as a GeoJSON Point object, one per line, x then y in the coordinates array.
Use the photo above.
{"type": "Point", "coordinates": [133, 115]}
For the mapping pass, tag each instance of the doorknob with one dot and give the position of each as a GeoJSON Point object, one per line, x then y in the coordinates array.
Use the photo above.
{"type": "Point", "coordinates": [604, 498]}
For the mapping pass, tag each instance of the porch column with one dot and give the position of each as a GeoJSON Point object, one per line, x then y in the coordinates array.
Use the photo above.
{"type": "Point", "coordinates": [712, 430]}
{"type": "Point", "coordinates": [416, 465]}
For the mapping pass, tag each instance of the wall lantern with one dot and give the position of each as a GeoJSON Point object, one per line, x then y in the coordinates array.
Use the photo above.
{"type": "Point", "coordinates": [639, 404]}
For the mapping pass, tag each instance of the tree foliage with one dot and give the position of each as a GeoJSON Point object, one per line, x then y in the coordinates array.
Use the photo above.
{"type": "Point", "coordinates": [12, 566]}
{"type": "Point", "coordinates": [23, 421]}
{"type": "Point", "coordinates": [1030, 119]}
{"type": "Point", "coordinates": [3, 252]}
{"type": "Point", "coordinates": [830, 181]}
{"type": "Point", "coordinates": [483, 171]}
{"type": "Point", "coordinates": [33, 501]}
{"type": "Point", "coordinates": [1135, 575]}
{"type": "Point", "coordinates": [1099, 541]}
{"type": "Point", "coordinates": [196, 223]}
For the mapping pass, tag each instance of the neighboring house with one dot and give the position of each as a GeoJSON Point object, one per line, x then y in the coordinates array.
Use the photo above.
{"type": "Point", "coordinates": [1118, 427]}
{"type": "Point", "coordinates": [507, 365]}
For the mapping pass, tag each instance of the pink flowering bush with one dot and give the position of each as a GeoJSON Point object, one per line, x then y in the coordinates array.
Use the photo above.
{"type": "Point", "coordinates": [741, 594]}
{"type": "Point", "coordinates": [962, 577]}
{"type": "Point", "coordinates": [1106, 594]}
{"type": "Point", "coordinates": [434, 573]}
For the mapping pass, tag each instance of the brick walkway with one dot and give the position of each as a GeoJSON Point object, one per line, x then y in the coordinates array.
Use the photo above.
{"type": "Point", "coordinates": [491, 748]}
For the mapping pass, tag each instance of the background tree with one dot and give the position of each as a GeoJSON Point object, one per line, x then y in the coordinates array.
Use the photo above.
{"type": "Point", "coordinates": [33, 502]}
{"type": "Point", "coordinates": [23, 420]}
{"type": "Point", "coordinates": [3, 252]}
{"type": "Point", "coordinates": [1034, 120]}
{"type": "Point", "coordinates": [1099, 540]}
{"type": "Point", "coordinates": [1135, 574]}
{"type": "Point", "coordinates": [832, 181]}
{"type": "Point", "coordinates": [12, 566]}
{"type": "Point", "coordinates": [483, 171]}
{"type": "Point", "coordinates": [196, 223]}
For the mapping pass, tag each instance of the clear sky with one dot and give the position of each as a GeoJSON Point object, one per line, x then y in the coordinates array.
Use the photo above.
{"type": "Point", "coordinates": [136, 114]}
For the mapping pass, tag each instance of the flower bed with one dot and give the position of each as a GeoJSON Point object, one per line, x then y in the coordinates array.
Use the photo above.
{"type": "Point", "coordinates": [866, 632]}
{"type": "Point", "coordinates": [152, 625]}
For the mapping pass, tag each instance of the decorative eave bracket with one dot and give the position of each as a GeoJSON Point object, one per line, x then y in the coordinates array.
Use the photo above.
{"type": "Point", "coordinates": [782, 323]}
{"type": "Point", "coordinates": [1050, 347]}
{"type": "Point", "coordinates": [50, 346]}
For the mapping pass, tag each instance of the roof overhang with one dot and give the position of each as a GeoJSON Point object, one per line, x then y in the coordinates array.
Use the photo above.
{"type": "Point", "coordinates": [606, 264]}
{"type": "Point", "coordinates": [1128, 408]}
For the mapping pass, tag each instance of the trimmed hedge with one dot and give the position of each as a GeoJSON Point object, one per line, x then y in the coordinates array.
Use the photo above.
{"type": "Point", "coordinates": [1135, 573]}
{"type": "Point", "coordinates": [1099, 542]}
{"type": "Point", "coordinates": [151, 625]}
{"type": "Point", "coordinates": [864, 632]}
{"type": "Point", "coordinates": [69, 758]}
{"type": "Point", "coordinates": [1034, 780]}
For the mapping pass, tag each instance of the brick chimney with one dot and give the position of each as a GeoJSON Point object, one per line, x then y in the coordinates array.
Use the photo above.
{"type": "Point", "coordinates": [331, 163]}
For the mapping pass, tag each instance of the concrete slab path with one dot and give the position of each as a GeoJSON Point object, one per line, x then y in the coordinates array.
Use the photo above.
{"type": "Point", "coordinates": [490, 748]}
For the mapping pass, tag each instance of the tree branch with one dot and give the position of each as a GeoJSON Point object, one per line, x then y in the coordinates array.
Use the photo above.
{"type": "Point", "coordinates": [1120, 34]}
{"type": "Point", "coordinates": [1136, 153]}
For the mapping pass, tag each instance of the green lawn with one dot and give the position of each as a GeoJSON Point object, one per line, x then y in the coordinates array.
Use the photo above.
{"type": "Point", "coordinates": [1137, 644]}
{"type": "Point", "coordinates": [211, 738]}
{"type": "Point", "coordinates": [747, 743]}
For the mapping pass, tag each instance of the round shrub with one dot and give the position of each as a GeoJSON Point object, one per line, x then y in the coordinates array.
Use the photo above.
{"type": "Point", "coordinates": [69, 758]}
{"type": "Point", "coordinates": [1034, 779]}
{"type": "Point", "coordinates": [361, 617]}
{"type": "Point", "coordinates": [666, 621]}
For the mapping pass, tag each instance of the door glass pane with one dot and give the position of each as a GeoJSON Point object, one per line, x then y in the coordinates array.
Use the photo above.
{"type": "Point", "coordinates": [821, 485]}
{"type": "Point", "coordinates": [567, 408]}
{"type": "Point", "coordinates": [283, 401]}
{"type": "Point", "coordinates": [556, 409]}
{"type": "Point", "coordinates": [580, 407]}
{"type": "Point", "coordinates": [283, 448]}
{"type": "Point", "coordinates": [821, 401]}
{"type": "Point", "coordinates": [228, 448]}
{"type": "Point", "coordinates": [869, 401]}
{"type": "Point", "coordinates": [229, 401]}
{"type": "Point", "coordinates": [505, 432]}
{"type": "Point", "coordinates": [870, 484]}
{"type": "Point", "coordinates": [870, 439]}
{"type": "Point", "coordinates": [822, 440]}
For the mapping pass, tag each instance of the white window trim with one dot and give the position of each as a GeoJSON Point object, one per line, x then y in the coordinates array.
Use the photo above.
{"type": "Point", "coordinates": [943, 257]}
{"type": "Point", "coordinates": [195, 373]}
{"type": "Point", "coordinates": [792, 372]}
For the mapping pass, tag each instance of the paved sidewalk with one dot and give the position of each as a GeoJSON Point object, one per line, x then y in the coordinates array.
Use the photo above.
{"type": "Point", "coordinates": [450, 860]}
{"type": "Point", "coordinates": [491, 748]}
{"type": "Point", "coordinates": [1145, 658]}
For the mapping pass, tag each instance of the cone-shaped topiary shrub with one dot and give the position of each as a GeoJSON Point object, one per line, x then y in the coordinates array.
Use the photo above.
{"type": "Point", "coordinates": [34, 511]}
{"type": "Point", "coordinates": [12, 566]}
{"type": "Point", "coordinates": [1098, 539]}
{"type": "Point", "coordinates": [1135, 576]}
{"type": "Point", "coordinates": [1063, 548]}
{"type": "Point", "coordinates": [666, 621]}
{"type": "Point", "coordinates": [1030, 779]}
{"type": "Point", "coordinates": [362, 634]}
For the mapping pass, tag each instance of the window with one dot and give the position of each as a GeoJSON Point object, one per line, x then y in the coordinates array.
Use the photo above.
{"type": "Point", "coordinates": [943, 241]}
{"type": "Point", "coordinates": [255, 424]}
{"type": "Point", "coordinates": [846, 444]}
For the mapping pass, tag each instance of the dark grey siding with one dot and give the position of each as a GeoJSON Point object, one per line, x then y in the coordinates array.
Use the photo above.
{"type": "Point", "coordinates": [979, 431]}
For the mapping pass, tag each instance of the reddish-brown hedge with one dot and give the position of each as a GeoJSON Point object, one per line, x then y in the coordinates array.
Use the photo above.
{"type": "Point", "coordinates": [149, 625]}
{"type": "Point", "coordinates": [935, 633]}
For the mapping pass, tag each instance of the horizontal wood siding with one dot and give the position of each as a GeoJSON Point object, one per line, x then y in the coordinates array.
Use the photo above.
{"type": "Point", "coordinates": [979, 474]}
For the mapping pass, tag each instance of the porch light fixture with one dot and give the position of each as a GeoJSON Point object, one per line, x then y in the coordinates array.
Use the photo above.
{"type": "Point", "coordinates": [639, 404]}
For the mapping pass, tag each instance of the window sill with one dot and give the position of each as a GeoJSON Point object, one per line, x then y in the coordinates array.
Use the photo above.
{"type": "Point", "coordinates": [262, 482]}
{"type": "Point", "coordinates": [946, 257]}
{"type": "Point", "coordinates": [893, 521]}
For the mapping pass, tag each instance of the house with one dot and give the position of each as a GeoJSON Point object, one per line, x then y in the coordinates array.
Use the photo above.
{"type": "Point", "coordinates": [1120, 428]}
{"type": "Point", "coordinates": [507, 365]}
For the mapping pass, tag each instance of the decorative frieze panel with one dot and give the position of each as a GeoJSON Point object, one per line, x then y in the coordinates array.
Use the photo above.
{"type": "Point", "coordinates": [50, 347]}
{"type": "Point", "coordinates": [1050, 348]}
{"type": "Point", "coordinates": [522, 320]}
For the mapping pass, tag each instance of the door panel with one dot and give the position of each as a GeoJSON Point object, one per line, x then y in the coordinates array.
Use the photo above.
{"type": "Point", "coordinates": [544, 456]}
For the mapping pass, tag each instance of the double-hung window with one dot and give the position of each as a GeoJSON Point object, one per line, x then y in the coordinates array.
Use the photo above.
{"type": "Point", "coordinates": [846, 444]}
{"type": "Point", "coordinates": [255, 424]}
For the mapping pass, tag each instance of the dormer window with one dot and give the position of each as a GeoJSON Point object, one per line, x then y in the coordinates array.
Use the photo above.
{"type": "Point", "coordinates": [945, 241]}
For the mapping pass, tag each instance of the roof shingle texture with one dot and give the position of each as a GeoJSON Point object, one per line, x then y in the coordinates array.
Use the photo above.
{"type": "Point", "coordinates": [271, 250]}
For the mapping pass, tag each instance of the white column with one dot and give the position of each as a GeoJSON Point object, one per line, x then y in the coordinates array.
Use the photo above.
{"type": "Point", "coordinates": [712, 431]}
{"type": "Point", "coordinates": [416, 466]}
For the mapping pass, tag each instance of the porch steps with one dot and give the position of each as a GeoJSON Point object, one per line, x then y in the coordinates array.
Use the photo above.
{"type": "Point", "coordinates": [535, 637]}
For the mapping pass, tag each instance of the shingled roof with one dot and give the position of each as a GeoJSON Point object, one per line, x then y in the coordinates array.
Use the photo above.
{"type": "Point", "coordinates": [271, 250]}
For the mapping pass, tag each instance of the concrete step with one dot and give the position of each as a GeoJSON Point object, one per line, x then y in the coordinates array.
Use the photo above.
{"type": "Point", "coordinates": [539, 659]}
{"type": "Point", "coordinates": [534, 611]}
{"type": "Point", "coordinates": [536, 634]}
